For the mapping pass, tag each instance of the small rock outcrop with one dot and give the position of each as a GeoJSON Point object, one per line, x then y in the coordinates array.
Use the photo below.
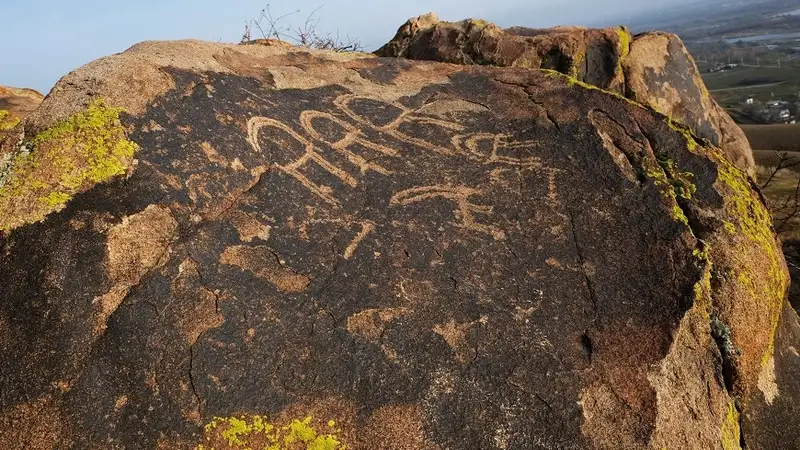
{"type": "Point", "coordinates": [15, 105]}
{"type": "Point", "coordinates": [653, 69]}
{"type": "Point", "coordinates": [220, 246]}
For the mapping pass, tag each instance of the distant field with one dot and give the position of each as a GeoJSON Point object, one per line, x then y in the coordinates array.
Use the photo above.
{"type": "Point", "coordinates": [773, 137]}
{"type": "Point", "coordinates": [732, 86]}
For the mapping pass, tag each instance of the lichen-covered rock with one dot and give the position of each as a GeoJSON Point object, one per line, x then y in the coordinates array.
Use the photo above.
{"type": "Point", "coordinates": [40, 176]}
{"type": "Point", "coordinates": [654, 69]}
{"type": "Point", "coordinates": [765, 422]}
{"type": "Point", "coordinates": [312, 250]}
{"type": "Point", "coordinates": [15, 105]}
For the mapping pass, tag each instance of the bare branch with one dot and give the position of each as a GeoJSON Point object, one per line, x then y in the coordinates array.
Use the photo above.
{"type": "Point", "coordinates": [306, 35]}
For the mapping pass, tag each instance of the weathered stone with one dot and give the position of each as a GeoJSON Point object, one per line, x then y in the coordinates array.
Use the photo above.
{"type": "Point", "coordinates": [791, 250]}
{"type": "Point", "coordinates": [339, 249]}
{"type": "Point", "coordinates": [774, 407]}
{"type": "Point", "coordinates": [654, 69]}
{"type": "Point", "coordinates": [15, 105]}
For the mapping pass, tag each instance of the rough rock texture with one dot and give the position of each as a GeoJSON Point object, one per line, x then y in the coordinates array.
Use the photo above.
{"type": "Point", "coordinates": [15, 105]}
{"type": "Point", "coordinates": [765, 422]}
{"type": "Point", "coordinates": [791, 250]}
{"type": "Point", "coordinates": [336, 249]}
{"type": "Point", "coordinates": [654, 69]}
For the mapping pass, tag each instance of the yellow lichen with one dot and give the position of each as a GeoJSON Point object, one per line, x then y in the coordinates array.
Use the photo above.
{"type": "Point", "coordinates": [87, 148]}
{"type": "Point", "coordinates": [691, 141]}
{"type": "Point", "coordinates": [577, 62]}
{"type": "Point", "coordinates": [681, 182]}
{"type": "Point", "coordinates": [755, 224]}
{"type": "Point", "coordinates": [702, 289]}
{"type": "Point", "coordinates": [258, 434]}
{"type": "Point", "coordinates": [673, 183]}
{"type": "Point", "coordinates": [56, 198]}
{"type": "Point", "coordinates": [731, 433]}
{"type": "Point", "coordinates": [478, 23]}
{"type": "Point", "coordinates": [624, 47]}
{"type": "Point", "coordinates": [572, 81]}
{"type": "Point", "coordinates": [7, 120]}
{"type": "Point", "coordinates": [677, 214]}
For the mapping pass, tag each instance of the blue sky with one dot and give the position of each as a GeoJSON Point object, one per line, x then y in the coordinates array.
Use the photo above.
{"type": "Point", "coordinates": [45, 39]}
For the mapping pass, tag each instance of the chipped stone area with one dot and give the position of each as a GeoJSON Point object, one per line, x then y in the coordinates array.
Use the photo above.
{"type": "Point", "coordinates": [135, 246]}
{"type": "Point", "coordinates": [265, 264]}
{"type": "Point", "coordinates": [201, 304]}
{"type": "Point", "coordinates": [767, 383]}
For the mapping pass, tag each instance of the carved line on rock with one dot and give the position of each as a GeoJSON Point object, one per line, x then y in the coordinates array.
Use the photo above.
{"type": "Point", "coordinates": [460, 196]}
{"type": "Point", "coordinates": [489, 148]}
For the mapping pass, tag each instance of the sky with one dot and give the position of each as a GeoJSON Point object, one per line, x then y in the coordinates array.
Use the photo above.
{"type": "Point", "coordinates": [45, 39]}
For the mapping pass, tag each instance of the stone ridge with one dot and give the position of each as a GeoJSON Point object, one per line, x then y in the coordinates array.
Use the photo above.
{"type": "Point", "coordinates": [15, 105]}
{"type": "Point", "coordinates": [387, 254]}
{"type": "Point", "coordinates": [653, 68]}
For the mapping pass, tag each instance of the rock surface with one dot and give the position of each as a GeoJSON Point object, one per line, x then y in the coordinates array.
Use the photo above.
{"type": "Point", "coordinates": [15, 105]}
{"type": "Point", "coordinates": [654, 69]}
{"type": "Point", "coordinates": [250, 243]}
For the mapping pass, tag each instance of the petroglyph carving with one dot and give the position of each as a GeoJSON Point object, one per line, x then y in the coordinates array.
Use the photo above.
{"type": "Point", "coordinates": [348, 134]}
{"type": "Point", "coordinates": [552, 187]}
{"type": "Point", "coordinates": [351, 136]}
{"type": "Point", "coordinates": [366, 228]}
{"type": "Point", "coordinates": [495, 148]}
{"type": "Point", "coordinates": [405, 116]}
{"type": "Point", "coordinates": [460, 196]}
{"type": "Point", "coordinates": [291, 142]}
{"type": "Point", "coordinates": [345, 137]}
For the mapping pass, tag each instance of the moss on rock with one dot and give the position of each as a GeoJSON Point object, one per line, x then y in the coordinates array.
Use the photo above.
{"type": "Point", "coordinates": [572, 81]}
{"type": "Point", "coordinates": [731, 432]}
{"type": "Point", "coordinates": [7, 120]}
{"type": "Point", "coordinates": [623, 48]}
{"type": "Point", "coordinates": [754, 223]}
{"type": "Point", "coordinates": [87, 148]}
{"type": "Point", "coordinates": [256, 432]}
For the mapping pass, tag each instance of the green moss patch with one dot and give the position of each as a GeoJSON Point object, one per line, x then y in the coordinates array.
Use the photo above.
{"type": "Point", "coordinates": [572, 81]}
{"type": "Point", "coordinates": [691, 141]}
{"type": "Point", "coordinates": [623, 47]}
{"type": "Point", "coordinates": [257, 433]}
{"type": "Point", "coordinates": [87, 148]}
{"type": "Point", "coordinates": [731, 432]}
{"type": "Point", "coordinates": [753, 222]}
{"type": "Point", "coordinates": [7, 120]}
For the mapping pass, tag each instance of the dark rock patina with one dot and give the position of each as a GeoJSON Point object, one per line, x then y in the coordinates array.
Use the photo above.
{"type": "Point", "coordinates": [431, 256]}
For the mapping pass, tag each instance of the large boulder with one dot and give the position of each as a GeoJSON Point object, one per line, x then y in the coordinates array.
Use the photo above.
{"type": "Point", "coordinates": [218, 246]}
{"type": "Point", "coordinates": [654, 69]}
{"type": "Point", "coordinates": [15, 105]}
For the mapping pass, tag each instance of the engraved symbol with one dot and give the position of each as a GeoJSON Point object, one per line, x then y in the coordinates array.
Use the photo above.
{"type": "Point", "coordinates": [496, 148]}
{"type": "Point", "coordinates": [351, 137]}
{"type": "Point", "coordinates": [406, 116]}
{"type": "Point", "coordinates": [341, 144]}
{"type": "Point", "coordinates": [366, 228]}
{"type": "Point", "coordinates": [288, 141]}
{"type": "Point", "coordinates": [460, 196]}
